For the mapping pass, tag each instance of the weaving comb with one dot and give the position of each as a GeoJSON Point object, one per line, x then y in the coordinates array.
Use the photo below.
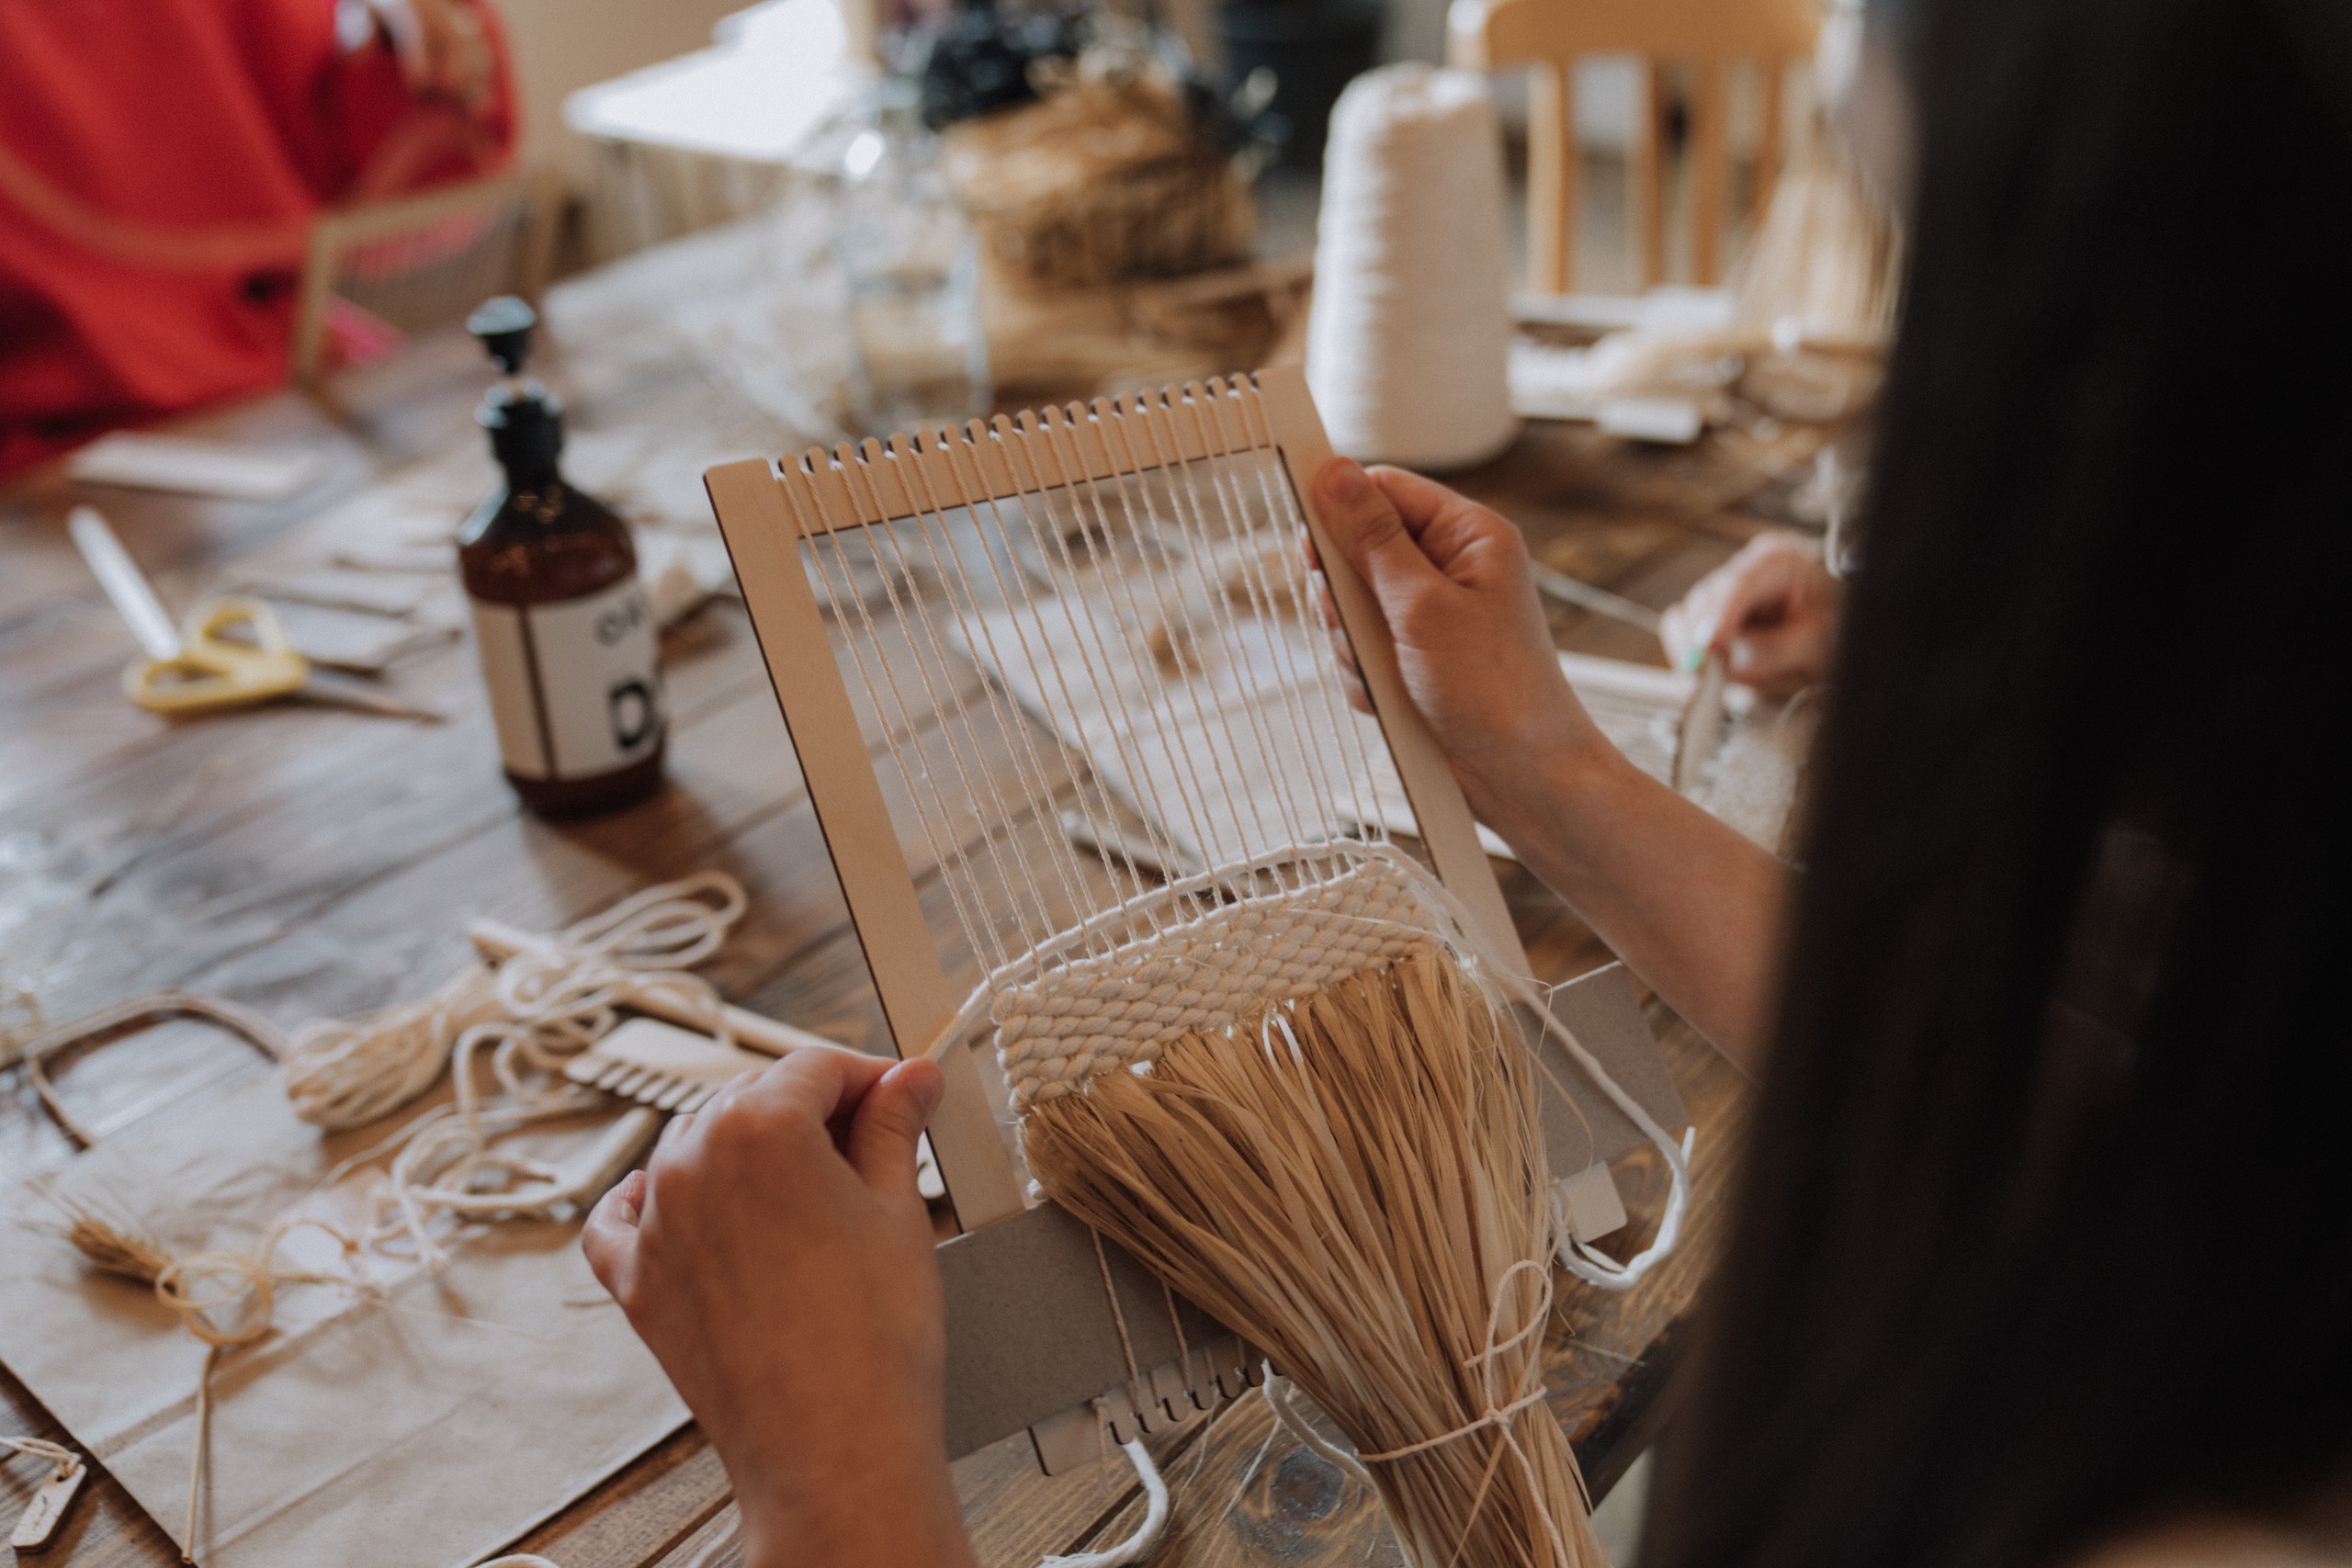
{"type": "Point", "coordinates": [671, 1068]}
{"type": "Point", "coordinates": [670, 1065]}
{"type": "Point", "coordinates": [1034, 1339]}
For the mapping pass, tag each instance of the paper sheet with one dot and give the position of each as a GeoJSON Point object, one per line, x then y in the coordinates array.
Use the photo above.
{"type": "Point", "coordinates": [361, 1431]}
{"type": "Point", "coordinates": [1147, 734]}
{"type": "Point", "coordinates": [193, 467]}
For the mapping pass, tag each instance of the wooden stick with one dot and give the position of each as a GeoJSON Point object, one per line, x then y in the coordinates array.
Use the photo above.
{"type": "Point", "coordinates": [496, 941]}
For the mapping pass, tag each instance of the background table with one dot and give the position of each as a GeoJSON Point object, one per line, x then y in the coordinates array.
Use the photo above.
{"type": "Point", "coordinates": [313, 862]}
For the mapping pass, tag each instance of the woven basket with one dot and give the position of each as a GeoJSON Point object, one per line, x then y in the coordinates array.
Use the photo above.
{"type": "Point", "coordinates": [1102, 181]}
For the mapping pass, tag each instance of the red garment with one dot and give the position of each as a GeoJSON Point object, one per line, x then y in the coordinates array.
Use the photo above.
{"type": "Point", "coordinates": [161, 162]}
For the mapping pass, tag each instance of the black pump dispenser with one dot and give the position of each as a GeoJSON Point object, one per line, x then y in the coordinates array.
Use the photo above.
{"type": "Point", "coordinates": [524, 419]}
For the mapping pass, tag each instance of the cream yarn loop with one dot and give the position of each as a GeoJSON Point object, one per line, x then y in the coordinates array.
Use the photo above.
{"type": "Point", "coordinates": [544, 1004]}
{"type": "Point", "coordinates": [225, 1298]}
{"type": "Point", "coordinates": [64, 1459]}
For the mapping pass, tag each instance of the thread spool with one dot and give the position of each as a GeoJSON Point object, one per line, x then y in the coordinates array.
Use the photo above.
{"type": "Point", "coordinates": [1408, 336]}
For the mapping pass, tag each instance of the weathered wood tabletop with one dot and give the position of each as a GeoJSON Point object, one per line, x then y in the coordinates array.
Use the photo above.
{"type": "Point", "coordinates": [312, 863]}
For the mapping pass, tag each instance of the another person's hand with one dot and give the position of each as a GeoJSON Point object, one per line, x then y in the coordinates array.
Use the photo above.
{"type": "Point", "coordinates": [1452, 579]}
{"type": "Point", "coordinates": [777, 1258]}
{"type": "Point", "coordinates": [442, 46]}
{"type": "Point", "coordinates": [1770, 613]}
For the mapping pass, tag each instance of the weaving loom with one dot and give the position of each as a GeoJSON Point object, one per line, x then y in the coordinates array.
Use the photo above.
{"type": "Point", "coordinates": [1142, 559]}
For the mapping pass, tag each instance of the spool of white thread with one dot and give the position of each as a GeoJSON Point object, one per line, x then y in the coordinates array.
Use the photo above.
{"type": "Point", "coordinates": [1407, 340]}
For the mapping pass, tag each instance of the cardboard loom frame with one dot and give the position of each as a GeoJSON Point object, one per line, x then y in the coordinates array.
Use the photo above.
{"type": "Point", "coordinates": [1033, 1340]}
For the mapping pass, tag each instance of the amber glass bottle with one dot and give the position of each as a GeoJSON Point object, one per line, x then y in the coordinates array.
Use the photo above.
{"type": "Point", "coordinates": [561, 624]}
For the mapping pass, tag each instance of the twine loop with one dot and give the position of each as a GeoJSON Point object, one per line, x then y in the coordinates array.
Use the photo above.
{"type": "Point", "coordinates": [545, 1003]}
{"type": "Point", "coordinates": [64, 1459]}
{"type": "Point", "coordinates": [1532, 1392]}
{"type": "Point", "coordinates": [242, 1285]}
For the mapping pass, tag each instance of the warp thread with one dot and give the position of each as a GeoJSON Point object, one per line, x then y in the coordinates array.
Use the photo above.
{"type": "Point", "coordinates": [1409, 334]}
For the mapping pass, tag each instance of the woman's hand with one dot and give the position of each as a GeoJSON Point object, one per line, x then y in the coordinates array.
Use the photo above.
{"type": "Point", "coordinates": [1451, 578]}
{"type": "Point", "coordinates": [1770, 613]}
{"type": "Point", "coordinates": [1693, 908]}
{"type": "Point", "coordinates": [775, 1258]}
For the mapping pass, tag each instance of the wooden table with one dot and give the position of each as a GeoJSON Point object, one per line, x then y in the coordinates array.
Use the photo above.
{"type": "Point", "coordinates": [312, 863]}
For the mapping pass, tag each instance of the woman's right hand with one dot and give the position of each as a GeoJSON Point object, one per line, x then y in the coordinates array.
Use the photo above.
{"type": "Point", "coordinates": [1452, 579]}
{"type": "Point", "coordinates": [777, 1259]}
{"type": "Point", "coordinates": [1691, 906]}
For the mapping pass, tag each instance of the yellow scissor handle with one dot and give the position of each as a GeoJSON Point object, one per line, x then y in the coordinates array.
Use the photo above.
{"type": "Point", "coordinates": [213, 670]}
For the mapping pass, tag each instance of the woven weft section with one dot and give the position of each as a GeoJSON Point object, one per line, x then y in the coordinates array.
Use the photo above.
{"type": "Point", "coordinates": [1116, 1008]}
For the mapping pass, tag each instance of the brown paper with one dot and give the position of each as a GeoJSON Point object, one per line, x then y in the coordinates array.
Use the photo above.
{"type": "Point", "coordinates": [428, 1428]}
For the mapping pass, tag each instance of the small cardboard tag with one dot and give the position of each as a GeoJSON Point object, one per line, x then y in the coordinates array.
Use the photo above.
{"type": "Point", "coordinates": [36, 1526]}
{"type": "Point", "coordinates": [1590, 1202]}
{"type": "Point", "coordinates": [1669, 421]}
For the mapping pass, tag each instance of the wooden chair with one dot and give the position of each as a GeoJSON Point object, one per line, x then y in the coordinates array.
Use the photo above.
{"type": "Point", "coordinates": [423, 260]}
{"type": "Point", "coordinates": [1704, 37]}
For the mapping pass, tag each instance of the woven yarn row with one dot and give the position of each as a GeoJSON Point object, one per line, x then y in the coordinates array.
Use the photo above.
{"type": "Point", "coordinates": [1115, 1010]}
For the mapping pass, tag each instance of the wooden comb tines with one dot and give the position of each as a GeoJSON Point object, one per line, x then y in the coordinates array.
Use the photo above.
{"type": "Point", "coordinates": [660, 1065]}
{"type": "Point", "coordinates": [670, 1068]}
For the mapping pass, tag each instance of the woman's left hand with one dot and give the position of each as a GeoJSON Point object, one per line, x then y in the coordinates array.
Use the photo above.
{"type": "Point", "coordinates": [1770, 613]}
{"type": "Point", "coordinates": [777, 1258]}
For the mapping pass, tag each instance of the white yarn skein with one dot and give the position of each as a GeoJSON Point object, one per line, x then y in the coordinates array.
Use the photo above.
{"type": "Point", "coordinates": [542, 1004]}
{"type": "Point", "coordinates": [1407, 340]}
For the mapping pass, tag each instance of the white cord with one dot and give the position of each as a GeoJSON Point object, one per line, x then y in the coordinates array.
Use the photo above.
{"type": "Point", "coordinates": [1138, 1545]}
{"type": "Point", "coordinates": [1280, 1393]}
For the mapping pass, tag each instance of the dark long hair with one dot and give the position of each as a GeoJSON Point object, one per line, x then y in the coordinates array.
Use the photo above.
{"type": "Point", "coordinates": [2045, 1228]}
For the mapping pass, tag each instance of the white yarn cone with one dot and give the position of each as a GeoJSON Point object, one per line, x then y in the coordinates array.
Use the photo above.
{"type": "Point", "coordinates": [1407, 340]}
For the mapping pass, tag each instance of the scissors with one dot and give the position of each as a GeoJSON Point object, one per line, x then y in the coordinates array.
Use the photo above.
{"type": "Point", "coordinates": [229, 653]}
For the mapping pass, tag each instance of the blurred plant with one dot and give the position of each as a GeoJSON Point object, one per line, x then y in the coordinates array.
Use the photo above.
{"type": "Point", "coordinates": [984, 59]}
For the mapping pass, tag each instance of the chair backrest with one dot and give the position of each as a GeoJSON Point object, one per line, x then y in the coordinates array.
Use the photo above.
{"type": "Point", "coordinates": [1704, 36]}
{"type": "Point", "coordinates": [423, 260]}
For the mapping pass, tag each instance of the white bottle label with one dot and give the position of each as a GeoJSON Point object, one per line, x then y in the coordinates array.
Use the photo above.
{"type": "Point", "coordinates": [574, 689]}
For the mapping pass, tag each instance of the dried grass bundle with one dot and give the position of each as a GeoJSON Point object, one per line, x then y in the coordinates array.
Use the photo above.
{"type": "Point", "coordinates": [1100, 181]}
{"type": "Point", "coordinates": [1357, 1183]}
{"type": "Point", "coordinates": [1827, 257]}
{"type": "Point", "coordinates": [107, 1240]}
